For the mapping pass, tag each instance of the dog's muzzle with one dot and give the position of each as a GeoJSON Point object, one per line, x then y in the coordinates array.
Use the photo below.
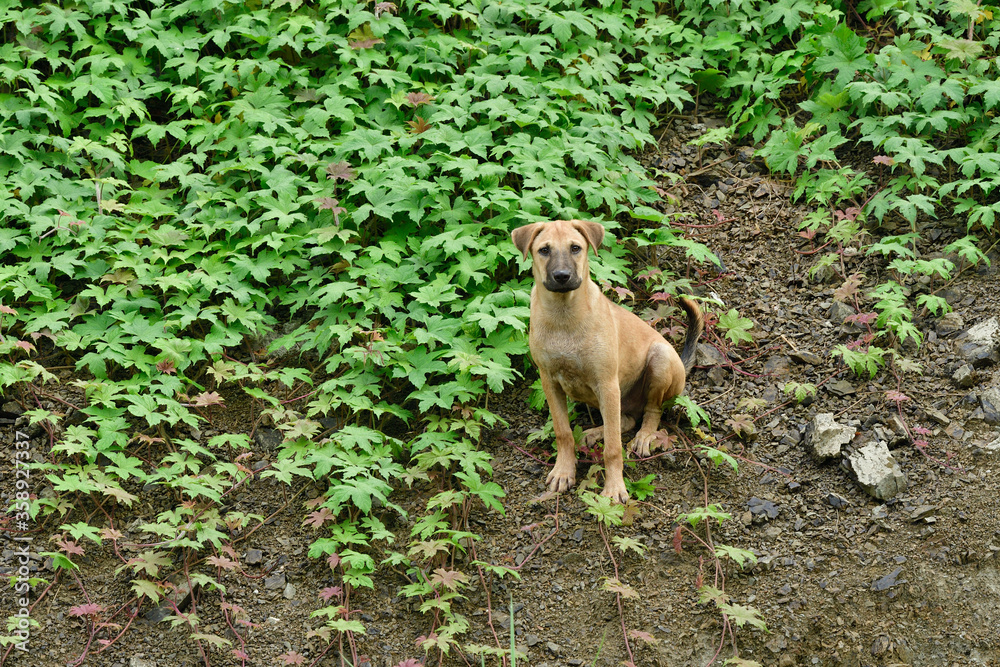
{"type": "Point", "coordinates": [562, 280]}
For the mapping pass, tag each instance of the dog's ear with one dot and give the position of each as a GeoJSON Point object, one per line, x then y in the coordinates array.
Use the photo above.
{"type": "Point", "coordinates": [524, 236]}
{"type": "Point", "coordinates": [592, 231]}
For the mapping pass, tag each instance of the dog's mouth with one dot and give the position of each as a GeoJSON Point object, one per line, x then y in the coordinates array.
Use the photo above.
{"type": "Point", "coordinates": [553, 285]}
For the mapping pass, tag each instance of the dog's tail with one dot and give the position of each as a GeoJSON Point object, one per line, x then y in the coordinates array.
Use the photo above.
{"type": "Point", "coordinates": [696, 324]}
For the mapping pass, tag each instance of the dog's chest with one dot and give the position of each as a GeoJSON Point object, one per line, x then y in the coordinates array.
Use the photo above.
{"type": "Point", "coordinates": [570, 361]}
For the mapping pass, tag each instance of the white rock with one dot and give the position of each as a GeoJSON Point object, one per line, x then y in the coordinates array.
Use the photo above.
{"type": "Point", "coordinates": [825, 437]}
{"type": "Point", "coordinates": [876, 471]}
{"type": "Point", "coordinates": [986, 332]}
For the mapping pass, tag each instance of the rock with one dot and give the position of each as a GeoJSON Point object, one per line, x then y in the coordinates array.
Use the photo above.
{"type": "Point", "coordinates": [707, 355]}
{"type": "Point", "coordinates": [937, 416]}
{"type": "Point", "coordinates": [763, 508]}
{"type": "Point", "coordinates": [986, 333]}
{"type": "Point", "coordinates": [842, 388]}
{"type": "Point", "coordinates": [835, 501]}
{"type": "Point", "coordinates": [807, 358]}
{"type": "Point", "coordinates": [553, 648]}
{"type": "Point", "coordinates": [289, 592]}
{"type": "Point", "coordinates": [254, 556]}
{"type": "Point", "coordinates": [268, 439]}
{"type": "Point", "coordinates": [825, 437]}
{"type": "Point", "coordinates": [989, 402]}
{"type": "Point", "coordinates": [949, 323]}
{"type": "Point", "coordinates": [136, 661]}
{"type": "Point", "coordinates": [876, 471]}
{"type": "Point", "coordinates": [275, 581]}
{"type": "Point", "coordinates": [979, 356]}
{"type": "Point", "coordinates": [993, 447]}
{"type": "Point", "coordinates": [964, 377]}
{"type": "Point", "coordinates": [888, 581]}
{"type": "Point", "coordinates": [840, 311]}
{"type": "Point", "coordinates": [777, 365]}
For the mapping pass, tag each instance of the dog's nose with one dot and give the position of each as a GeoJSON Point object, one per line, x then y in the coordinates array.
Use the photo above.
{"type": "Point", "coordinates": [561, 276]}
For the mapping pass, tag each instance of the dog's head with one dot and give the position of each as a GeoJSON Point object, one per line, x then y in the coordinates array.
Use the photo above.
{"type": "Point", "coordinates": [559, 251]}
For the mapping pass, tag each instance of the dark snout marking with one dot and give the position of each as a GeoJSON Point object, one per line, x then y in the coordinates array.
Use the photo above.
{"type": "Point", "coordinates": [561, 274]}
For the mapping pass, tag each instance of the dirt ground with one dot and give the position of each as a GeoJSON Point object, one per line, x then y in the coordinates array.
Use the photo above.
{"type": "Point", "coordinates": [841, 578]}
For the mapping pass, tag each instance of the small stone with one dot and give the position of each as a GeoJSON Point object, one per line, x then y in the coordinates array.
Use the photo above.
{"type": "Point", "coordinates": [840, 311]}
{"type": "Point", "coordinates": [254, 556]}
{"type": "Point", "coordinates": [552, 648]}
{"type": "Point", "coordinates": [979, 356]}
{"type": "Point", "coordinates": [986, 333]}
{"type": "Point", "coordinates": [807, 358]}
{"type": "Point", "coordinates": [888, 581]}
{"type": "Point", "coordinates": [937, 416]}
{"type": "Point", "coordinates": [949, 323]}
{"type": "Point", "coordinates": [289, 592]}
{"type": "Point", "coordinates": [577, 535]}
{"type": "Point", "coordinates": [531, 640]}
{"type": "Point", "coordinates": [824, 436]}
{"type": "Point", "coordinates": [777, 365]}
{"type": "Point", "coordinates": [964, 377]}
{"type": "Point", "coordinates": [876, 471]}
{"type": "Point", "coordinates": [922, 512]}
{"type": "Point", "coordinates": [842, 388]}
{"type": "Point", "coordinates": [835, 501]}
{"type": "Point", "coordinates": [708, 355]}
{"type": "Point", "coordinates": [136, 661]}
{"type": "Point", "coordinates": [989, 401]}
{"type": "Point", "coordinates": [268, 439]}
{"type": "Point", "coordinates": [275, 581]}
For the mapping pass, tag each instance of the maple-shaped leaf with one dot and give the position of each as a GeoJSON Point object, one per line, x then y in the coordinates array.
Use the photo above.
{"type": "Point", "coordinates": [7, 310]}
{"type": "Point", "coordinates": [418, 126]}
{"type": "Point", "coordinates": [207, 398]}
{"type": "Point", "coordinates": [643, 636]}
{"type": "Point", "coordinates": [24, 345]}
{"type": "Point", "coordinates": [363, 38]}
{"type": "Point", "coordinates": [331, 592]}
{"type": "Point", "coordinates": [743, 615]}
{"type": "Point", "coordinates": [333, 560]}
{"type": "Point", "coordinates": [808, 234]}
{"type": "Point", "coordinates": [849, 289]}
{"type": "Point", "coordinates": [896, 396]}
{"type": "Point", "coordinates": [678, 540]}
{"type": "Point", "coordinates": [319, 517]}
{"type": "Point", "coordinates": [69, 547]}
{"type": "Point", "coordinates": [89, 609]}
{"type": "Point", "coordinates": [292, 658]}
{"type": "Point", "coordinates": [751, 404]}
{"type": "Point", "coordinates": [416, 99]}
{"type": "Point", "coordinates": [121, 276]}
{"type": "Point", "coordinates": [241, 654]}
{"type": "Point", "coordinates": [883, 159]}
{"type": "Point", "coordinates": [166, 366]}
{"type": "Point", "coordinates": [615, 586]}
{"type": "Point", "coordinates": [150, 562]}
{"type": "Point", "coordinates": [384, 7]}
{"type": "Point", "coordinates": [741, 425]}
{"type": "Point", "coordinates": [340, 171]}
{"type": "Point", "coordinates": [861, 318]}
{"type": "Point", "coordinates": [144, 588]}
{"type": "Point", "coordinates": [410, 662]}
{"type": "Point", "coordinates": [223, 562]}
{"type": "Point", "coordinates": [111, 534]}
{"type": "Point", "coordinates": [450, 578]}
{"type": "Point", "coordinates": [322, 633]}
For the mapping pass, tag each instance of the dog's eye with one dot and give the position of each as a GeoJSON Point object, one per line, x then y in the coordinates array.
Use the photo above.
{"type": "Point", "coordinates": [544, 251]}
{"type": "Point", "coordinates": [575, 249]}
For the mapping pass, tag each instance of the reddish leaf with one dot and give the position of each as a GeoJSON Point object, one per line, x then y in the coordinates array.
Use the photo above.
{"type": "Point", "coordinates": [319, 517]}
{"type": "Point", "coordinates": [69, 547]}
{"type": "Point", "coordinates": [418, 126]}
{"type": "Point", "coordinates": [921, 430]}
{"type": "Point", "coordinates": [340, 170]}
{"type": "Point", "coordinates": [416, 99]}
{"type": "Point", "coordinates": [410, 662]}
{"type": "Point", "coordinates": [333, 561]}
{"type": "Point", "coordinates": [643, 636]}
{"type": "Point", "coordinates": [896, 396]}
{"type": "Point", "coordinates": [883, 159]}
{"type": "Point", "coordinates": [292, 658]}
{"type": "Point", "coordinates": [330, 592]}
{"type": "Point", "coordinates": [207, 398]}
{"type": "Point", "coordinates": [223, 562]}
{"type": "Point", "coordinates": [678, 539]}
{"type": "Point", "coordinates": [450, 578]}
{"type": "Point", "coordinates": [89, 609]}
{"type": "Point", "coordinates": [111, 534]}
{"type": "Point", "coordinates": [861, 318]}
{"type": "Point", "coordinates": [7, 310]}
{"type": "Point", "coordinates": [24, 345]}
{"type": "Point", "coordinates": [808, 234]}
{"type": "Point", "coordinates": [166, 366]}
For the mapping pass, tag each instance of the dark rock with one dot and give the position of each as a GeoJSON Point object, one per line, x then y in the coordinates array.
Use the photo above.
{"type": "Point", "coordinates": [964, 377]}
{"type": "Point", "coordinates": [254, 556]}
{"type": "Point", "coordinates": [840, 311]}
{"type": "Point", "coordinates": [807, 358]}
{"type": "Point", "coordinates": [763, 508]}
{"type": "Point", "coordinates": [842, 388]}
{"type": "Point", "coordinates": [268, 439]}
{"type": "Point", "coordinates": [937, 416]}
{"type": "Point", "coordinates": [979, 356]}
{"type": "Point", "coordinates": [275, 582]}
{"type": "Point", "coordinates": [708, 356]}
{"type": "Point", "coordinates": [888, 581]}
{"type": "Point", "coordinates": [835, 501]}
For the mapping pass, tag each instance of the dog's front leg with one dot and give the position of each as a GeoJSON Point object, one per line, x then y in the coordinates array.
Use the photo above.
{"type": "Point", "coordinates": [562, 477]}
{"type": "Point", "coordinates": [611, 414]}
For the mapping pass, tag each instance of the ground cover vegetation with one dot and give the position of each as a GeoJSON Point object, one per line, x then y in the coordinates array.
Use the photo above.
{"type": "Point", "coordinates": [309, 203]}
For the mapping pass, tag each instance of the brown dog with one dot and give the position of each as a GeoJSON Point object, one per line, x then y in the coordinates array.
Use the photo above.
{"type": "Point", "coordinates": [595, 351]}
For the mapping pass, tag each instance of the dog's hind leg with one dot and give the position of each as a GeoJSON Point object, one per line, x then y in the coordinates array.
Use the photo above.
{"type": "Point", "coordinates": [592, 436]}
{"type": "Point", "coordinates": [664, 377]}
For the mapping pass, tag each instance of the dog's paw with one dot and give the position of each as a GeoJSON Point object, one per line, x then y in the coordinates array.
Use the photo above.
{"type": "Point", "coordinates": [642, 444]}
{"type": "Point", "coordinates": [560, 481]}
{"type": "Point", "coordinates": [616, 491]}
{"type": "Point", "coordinates": [592, 436]}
